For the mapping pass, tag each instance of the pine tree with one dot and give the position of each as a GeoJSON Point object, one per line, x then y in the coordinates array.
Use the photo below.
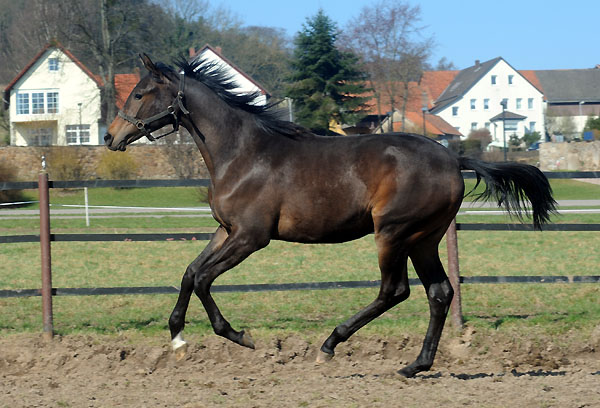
{"type": "Point", "coordinates": [326, 81]}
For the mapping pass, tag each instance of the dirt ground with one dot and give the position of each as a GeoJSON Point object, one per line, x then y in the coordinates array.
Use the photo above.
{"type": "Point", "coordinates": [86, 371]}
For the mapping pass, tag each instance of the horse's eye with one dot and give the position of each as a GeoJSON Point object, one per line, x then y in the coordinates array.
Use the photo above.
{"type": "Point", "coordinates": [138, 96]}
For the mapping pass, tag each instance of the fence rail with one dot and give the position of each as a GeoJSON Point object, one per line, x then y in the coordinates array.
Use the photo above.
{"type": "Point", "coordinates": [165, 290]}
{"type": "Point", "coordinates": [33, 185]}
{"type": "Point", "coordinates": [204, 236]}
{"type": "Point", "coordinates": [45, 237]}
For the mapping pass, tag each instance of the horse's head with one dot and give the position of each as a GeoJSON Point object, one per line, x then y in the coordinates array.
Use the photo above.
{"type": "Point", "coordinates": [152, 104]}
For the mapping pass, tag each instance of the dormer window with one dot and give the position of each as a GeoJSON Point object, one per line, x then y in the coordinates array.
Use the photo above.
{"type": "Point", "coordinates": [53, 64]}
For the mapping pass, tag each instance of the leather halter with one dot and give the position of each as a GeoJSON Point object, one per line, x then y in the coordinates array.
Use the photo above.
{"type": "Point", "coordinates": [174, 109]}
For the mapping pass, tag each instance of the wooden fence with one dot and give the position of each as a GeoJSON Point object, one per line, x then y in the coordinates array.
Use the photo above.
{"type": "Point", "coordinates": [46, 237]}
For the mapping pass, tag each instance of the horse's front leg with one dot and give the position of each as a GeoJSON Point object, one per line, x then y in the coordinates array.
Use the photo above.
{"type": "Point", "coordinates": [177, 319]}
{"type": "Point", "coordinates": [237, 246]}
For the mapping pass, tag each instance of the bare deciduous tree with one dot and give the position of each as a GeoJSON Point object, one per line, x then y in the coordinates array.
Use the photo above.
{"type": "Point", "coordinates": [390, 41]}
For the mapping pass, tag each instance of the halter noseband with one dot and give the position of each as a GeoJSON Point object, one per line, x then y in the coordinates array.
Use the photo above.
{"type": "Point", "coordinates": [173, 109]}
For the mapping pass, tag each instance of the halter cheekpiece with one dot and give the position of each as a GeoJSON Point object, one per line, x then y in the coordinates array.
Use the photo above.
{"type": "Point", "coordinates": [174, 109]}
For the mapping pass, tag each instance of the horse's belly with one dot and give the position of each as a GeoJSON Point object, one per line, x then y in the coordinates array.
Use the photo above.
{"type": "Point", "coordinates": [317, 228]}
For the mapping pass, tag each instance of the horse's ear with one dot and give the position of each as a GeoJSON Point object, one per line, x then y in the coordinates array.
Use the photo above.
{"type": "Point", "coordinates": [156, 73]}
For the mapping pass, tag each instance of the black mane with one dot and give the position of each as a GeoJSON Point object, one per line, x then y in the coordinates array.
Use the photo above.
{"type": "Point", "coordinates": [216, 78]}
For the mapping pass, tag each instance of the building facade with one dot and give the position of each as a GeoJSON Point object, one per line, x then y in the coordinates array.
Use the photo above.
{"type": "Point", "coordinates": [492, 95]}
{"type": "Point", "coordinates": [55, 100]}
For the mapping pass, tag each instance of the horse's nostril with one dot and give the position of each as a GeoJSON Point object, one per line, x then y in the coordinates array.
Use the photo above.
{"type": "Point", "coordinates": [107, 138]}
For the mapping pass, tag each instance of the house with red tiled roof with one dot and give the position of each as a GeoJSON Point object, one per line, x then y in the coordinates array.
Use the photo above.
{"type": "Point", "coordinates": [493, 95]}
{"type": "Point", "coordinates": [56, 100]}
{"type": "Point", "coordinates": [421, 94]}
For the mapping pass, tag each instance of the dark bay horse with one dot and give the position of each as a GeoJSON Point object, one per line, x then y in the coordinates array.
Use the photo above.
{"type": "Point", "coordinates": [271, 179]}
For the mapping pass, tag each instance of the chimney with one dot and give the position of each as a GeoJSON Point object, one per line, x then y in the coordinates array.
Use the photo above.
{"type": "Point", "coordinates": [477, 63]}
{"type": "Point", "coordinates": [192, 52]}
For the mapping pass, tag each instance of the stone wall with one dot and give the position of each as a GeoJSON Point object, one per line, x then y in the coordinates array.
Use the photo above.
{"type": "Point", "coordinates": [153, 161]}
{"type": "Point", "coordinates": [574, 156]}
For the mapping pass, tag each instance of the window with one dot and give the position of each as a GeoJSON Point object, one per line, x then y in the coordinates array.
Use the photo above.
{"type": "Point", "coordinates": [519, 100]}
{"type": "Point", "coordinates": [530, 103]}
{"type": "Point", "coordinates": [487, 125]}
{"type": "Point", "coordinates": [511, 125]}
{"type": "Point", "coordinates": [510, 79]}
{"type": "Point", "coordinates": [486, 104]}
{"type": "Point", "coordinates": [22, 104]}
{"type": "Point", "coordinates": [40, 136]}
{"type": "Point", "coordinates": [473, 125]}
{"type": "Point", "coordinates": [52, 64]}
{"type": "Point", "coordinates": [531, 127]}
{"type": "Point", "coordinates": [505, 103]}
{"type": "Point", "coordinates": [37, 102]}
{"type": "Point", "coordinates": [494, 79]}
{"type": "Point", "coordinates": [455, 111]}
{"type": "Point", "coordinates": [52, 102]}
{"type": "Point", "coordinates": [78, 134]}
{"type": "Point", "coordinates": [473, 103]}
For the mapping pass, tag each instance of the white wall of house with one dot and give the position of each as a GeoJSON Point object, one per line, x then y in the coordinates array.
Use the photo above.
{"type": "Point", "coordinates": [246, 86]}
{"type": "Point", "coordinates": [482, 102]}
{"type": "Point", "coordinates": [51, 101]}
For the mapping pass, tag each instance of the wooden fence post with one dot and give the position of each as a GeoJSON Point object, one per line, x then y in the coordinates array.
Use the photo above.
{"type": "Point", "coordinates": [454, 275]}
{"type": "Point", "coordinates": [48, 325]}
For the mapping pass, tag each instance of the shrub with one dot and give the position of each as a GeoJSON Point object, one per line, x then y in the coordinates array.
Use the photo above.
{"type": "Point", "coordinates": [65, 164]}
{"type": "Point", "coordinates": [530, 138]}
{"type": "Point", "coordinates": [482, 135]}
{"type": "Point", "coordinates": [117, 166]}
{"type": "Point", "coordinates": [8, 173]}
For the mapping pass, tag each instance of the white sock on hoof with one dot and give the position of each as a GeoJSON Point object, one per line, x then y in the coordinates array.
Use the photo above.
{"type": "Point", "coordinates": [178, 342]}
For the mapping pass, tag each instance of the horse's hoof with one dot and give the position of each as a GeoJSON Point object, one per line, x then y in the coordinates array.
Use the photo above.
{"type": "Point", "coordinates": [412, 369]}
{"type": "Point", "coordinates": [323, 357]}
{"type": "Point", "coordinates": [179, 347]}
{"type": "Point", "coordinates": [180, 352]}
{"type": "Point", "coordinates": [247, 340]}
{"type": "Point", "coordinates": [407, 372]}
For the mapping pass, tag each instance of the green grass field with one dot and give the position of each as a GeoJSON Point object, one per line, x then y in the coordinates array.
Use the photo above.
{"type": "Point", "coordinates": [534, 308]}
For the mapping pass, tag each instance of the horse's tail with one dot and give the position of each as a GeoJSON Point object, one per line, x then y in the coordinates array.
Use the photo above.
{"type": "Point", "coordinates": [512, 185]}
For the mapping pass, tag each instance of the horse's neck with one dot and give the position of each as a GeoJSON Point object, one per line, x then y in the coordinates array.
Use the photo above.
{"type": "Point", "coordinates": [221, 133]}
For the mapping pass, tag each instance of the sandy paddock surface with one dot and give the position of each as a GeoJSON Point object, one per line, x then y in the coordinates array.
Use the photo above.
{"type": "Point", "coordinates": [94, 371]}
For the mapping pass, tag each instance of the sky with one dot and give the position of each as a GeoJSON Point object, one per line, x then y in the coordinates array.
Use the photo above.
{"type": "Point", "coordinates": [528, 34]}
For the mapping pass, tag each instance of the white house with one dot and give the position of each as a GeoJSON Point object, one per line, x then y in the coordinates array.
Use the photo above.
{"type": "Point", "coordinates": [246, 83]}
{"type": "Point", "coordinates": [56, 100]}
{"type": "Point", "coordinates": [475, 98]}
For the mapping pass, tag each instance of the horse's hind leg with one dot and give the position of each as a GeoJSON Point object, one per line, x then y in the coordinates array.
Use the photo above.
{"type": "Point", "coordinates": [177, 319]}
{"type": "Point", "coordinates": [426, 260]}
{"type": "Point", "coordinates": [394, 289]}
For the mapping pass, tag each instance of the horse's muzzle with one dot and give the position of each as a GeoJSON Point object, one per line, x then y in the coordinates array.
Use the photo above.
{"type": "Point", "coordinates": [108, 141]}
